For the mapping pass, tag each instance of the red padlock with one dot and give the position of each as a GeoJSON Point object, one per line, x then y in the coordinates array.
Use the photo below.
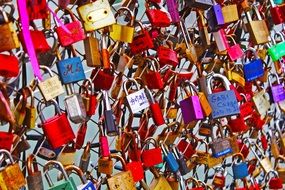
{"type": "Point", "coordinates": [186, 148]}
{"type": "Point", "coordinates": [237, 124]}
{"type": "Point", "coordinates": [219, 178]}
{"type": "Point", "coordinates": [37, 9]}
{"type": "Point", "coordinates": [102, 79]}
{"type": "Point", "coordinates": [57, 129]}
{"type": "Point", "coordinates": [136, 169]}
{"type": "Point", "coordinates": [6, 139]}
{"type": "Point", "coordinates": [39, 40]}
{"type": "Point", "coordinates": [141, 42]}
{"type": "Point", "coordinates": [243, 149]}
{"type": "Point", "coordinates": [153, 156]}
{"type": "Point", "coordinates": [9, 65]}
{"type": "Point", "coordinates": [81, 136]}
{"type": "Point", "coordinates": [90, 95]}
{"type": "Point", "coordinates": [152, 77]}
{"type": "Point", "coordinates": [275, 183]}
{"type": "Point", "coordinates": [157, 17]}
{"type": "Point", "coordinates": [71, 33]}
{"type": "Point", "coordinates": [246, 109]}
{"type": "Point", "coordinates": [167, 56]}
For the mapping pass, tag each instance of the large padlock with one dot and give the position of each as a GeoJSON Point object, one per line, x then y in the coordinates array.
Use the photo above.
{"type": "Point", "coordinates": [8, 39]}
{"type": "Point", "coordinates": [223, 103]}
{"type": "Point", "coordinates": [191, 107]}
{"type": "Point", "coordinates": [57, 129]}
{"type": "Point", "coordinates": [277, 92]}
{"type": "Point", "coordinates": [34, 178]}
{"type": "Point", "coordinates": [258, 31]}
{"type": "Point", "coordinates": [254, 68]}
{"type": "Point", "coordinates": [96, 15]}
{"type": "Point", "coordinates": [123, 33]}
{"type": "Point", "coordinates": [11, 177]}
{"type": "Point", "coordinates": [67, 183]}
{"type": "Point", "coordinates": [70, 33]}
{"type": "Point", "coordinates": [152, 77]}
{"type": "Point", "coordinates": [70, 70]}
{"type": "Point", "coordinates": [157, 17]}
{"type": "Point", "coordinates": [141, 41]}
{"type": "Point", "coordinates": [240, 170]}
{"type": "Point", "coordinates": [85, 184]}
{"type": "Point", "coordinates": [276, 51]}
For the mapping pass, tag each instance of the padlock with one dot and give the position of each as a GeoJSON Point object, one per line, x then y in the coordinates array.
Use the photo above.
{"type": "Point", "coordinates": [167, 56]}
{"type": "Point", "coordinates": [195, 184]}
{"type": "Point", "coordinates": [277, 92]}
{"type": "Point", "coordinates": [81, 134]}
{"type": "Point", "coordinates": [203, 28]}
{"type": "Point", "coordinates": [11, 69]}
{"type": "Point", "coordinates": [106, 64]}
{"type": "Point", "coordinates": [70, 33]}
{"type": "Point", "coordinates": [92, 51]}
{"type": "Point", "coordinates": [57, 129]}
{"type": "Point", "coordinates": [276, 13]}
{"type": "Point", "coordinates": [169, 159]}
{"type": "Point", "coordinates": [237, 124]}
{"type": "Point", "coordinates": [220, 146]}
{"type": "Point", "coordinates": [110, 120]}
{"type": "Point", "coordinates": [34, 178]}
{"type": "Point", "coordinates": [230, 13]}
{"type": "Point", "coordinates": [254, 68]}
{"type": "Point", "coordinates": [153, 156]}
{"type": "Point", "coordinates": [173, 181]}
{"type": "Point", "coordinates": [31, 111]}
{"type": "Point", "coordinates": [273, 182]}
{"type": "Point", "coordinates": [96, 15]}
{"type": "Point", "coordinates": [191, 107]}
{"type": "Point", "coordinates": [221, 40]}
{"type": "Point", "coordinates": [44, 150]}
{"type": "Point", "coordinates": [85, 158]}
{"type": "Point", "coordinates": [102, 79]}
{"type": "Point", "coordinates": [11, 176]}
{"type": "Point", "coordinates": [37, 9]}
{"type": "Point", "coordinates": [51, 87]}
{"type": "Point", "coordinates": [153, 78]}
{"type": "Point", "coordinates": [85, 184]}
{"type": "Point", "coordinates": [89, 98]}
{"type": "Point", "coordinates": [103, 140]}
{"type": "Point", "coordinates": [258, 31]}
{"type": "Point", "coordinates": [19, 111]}
{"type": "Point", "coordinates": [159, 181]}
{"type": "Point", "coordinates": [183, 169]}
{"type": "Point", "coordinates": [123, 33]}
{"type": "Point", "coordinates": [234, 52]}
{"type": "Point", "coordinates": [223, 103]}
{"type": "Point", "coordinates": [105, 165]}
{"type": "Point", "coordinates": [136, 169]}
{"type": "Point", "coordinates": [67, 183]}
{"type": "Point", "coordinates": [67, 155]}
{"type": "Point", "coordinates": [169, 134]}
{"type": "Point", "coordinates": [172, 8]}
{"type": "Point", "coordinates": [141, 41]}
{"type": "Point", "coordinates": [276, 51]}
{"type": "Point", "coordinates": [265, 163]}
{"type": "Point", "coordinates": [240, 170]}
{"type": "Point", "coordinates": [262, 105]}
{"type": "Point", "coordinates": [74, 105]}
{"type": "Point", "coordinates": [6, 139]}
{"type": "Point", "coordinates": [9, 39]}
{"type": "Point", "coordinates": [280, 170]}
{"type": "Point", "coordinates": [215, 17]}
{"type": "Point", "coordinates": [156, 16]}
{"type": "Point", "coordinates": [122, 180]}
{"type": "Point", "coordinates": [219, 180]}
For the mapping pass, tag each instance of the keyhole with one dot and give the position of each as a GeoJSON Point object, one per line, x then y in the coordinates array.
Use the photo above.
{"type": "Point", "coordinates": [90, 17]}
{"type": "Point", "coordinates": [105, 12]}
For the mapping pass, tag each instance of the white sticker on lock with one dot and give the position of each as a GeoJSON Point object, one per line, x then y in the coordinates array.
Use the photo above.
{"type": "Point", "coordinates": [138, 101]}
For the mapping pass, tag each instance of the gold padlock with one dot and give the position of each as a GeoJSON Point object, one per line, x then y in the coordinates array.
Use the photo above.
{"type": "Point", "coordinates": [92, 52]}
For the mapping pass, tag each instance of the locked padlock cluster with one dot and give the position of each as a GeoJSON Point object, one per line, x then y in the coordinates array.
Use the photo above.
{"type": "Point", "coordinates": [153, 94]}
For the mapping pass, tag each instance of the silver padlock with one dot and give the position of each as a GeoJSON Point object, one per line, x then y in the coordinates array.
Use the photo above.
{"type": "Point", "coordinates": [74, 105]}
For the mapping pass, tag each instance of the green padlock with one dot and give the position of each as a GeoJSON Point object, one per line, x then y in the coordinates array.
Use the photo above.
{"type": "Point", "coordinates": [276, 51]}
{"type": "Point", "coordinates": [67, 183]}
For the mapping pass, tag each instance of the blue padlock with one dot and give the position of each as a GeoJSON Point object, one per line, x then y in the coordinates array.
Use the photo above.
{"type": "Point", "coordinates": [253, 69]}
{"type": "Point", "coordinates": [240, 170]}
{"type": "Point", "coordinates": [71, 70]}
{"type": "Point", "coordinates": [169, 159]}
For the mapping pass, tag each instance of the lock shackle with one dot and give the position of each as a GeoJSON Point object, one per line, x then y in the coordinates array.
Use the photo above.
{"type": "Point", "coordinates": [244, 55]}
{"type": "Point", "coordinates": [75, 169]}
{"type": "Point", "coordinates": [130, 14]}
{"type": "Point", "coordinates": [175, 151]}
{"type": "Point", "coordinates": [66, 11]}
{"type": "Point", "coordinates": [238, 156]}
{"type": "Point", "coordinates": [153, 63]}
{"type": "Point", "coordinates": [52, 164]}
{"type": "Point", "coordinates": [130, 80]}
{"type": "Point", "coordinates": [150, 140]}
{"type": "Point", "coordinates": [254, 151]}
{"type": "Point", "coordinates": [5, 16]}
{"type": "Point", "coordinates": [185, 34]}
{"type": "Point", "coordinates": [18, 101]}
{"type": "Point", "coordinates": [202, 141]}
{"type": "Point", "coordinates": [31, 94]}
{"type": "Point", "coordinates": [32, 164]}
{"type": "Point", "coordinates": [46, 104]}
{"type": "Point", "coordinates": [87, 83]}
{"type": "Point", "coordinates": [192, 180]}
{"type": "Point", "coordinates": [7, 154]}
{"type": "Point", "coordinates": [224, 79]}
{"type": "Point", "coordinates": [256, 11]}
{"type": "Point", "coordinates": [46, 70]}
{"type": "Point", "coordinates": [120, 158]}
{"type": "Point", "coordinates": [279, 159]}
{"type": "Point", "coordinates": [232, 39]}
{"type": "Point", "coordinates": [219, 130]}
{"type": "Point", "coordinates": [220, 169]}
{"type": "Point", "coordinates": [272, 75]}
{"type": "Point", "coordinates": [87, 148]}
{"type": "Point", "coordinates": [192, 87]}
{"type": "Point", "coordinates": [164, 148]}
{"type": "Point", "coordinates": [267, 175]}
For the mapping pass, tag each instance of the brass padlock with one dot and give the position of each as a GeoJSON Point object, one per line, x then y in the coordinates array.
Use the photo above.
{"type": "Point", "coordinates": [92, 52]}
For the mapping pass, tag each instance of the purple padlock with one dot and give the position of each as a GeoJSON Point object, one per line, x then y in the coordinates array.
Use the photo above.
{"type": "Point", "coordinates": [173, 10]}
{"type": "Point", "coordinates": [277, 91]}
{"type": "Point", "coordinates": [191, 108]}
{"type": "Point", "coordinates": [215, 17]}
